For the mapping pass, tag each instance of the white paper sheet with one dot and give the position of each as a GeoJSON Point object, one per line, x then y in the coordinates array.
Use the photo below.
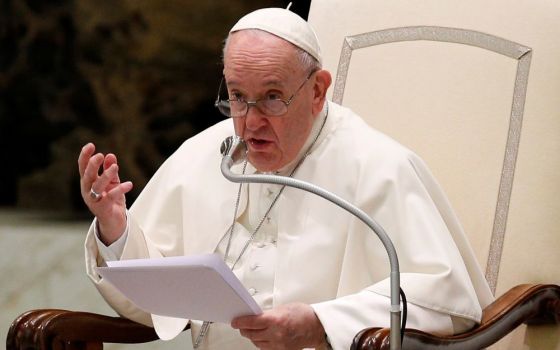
{"type": "Point", "coordinates": [199, 287]}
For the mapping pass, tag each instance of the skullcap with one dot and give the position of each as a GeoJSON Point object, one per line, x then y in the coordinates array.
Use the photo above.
{"type": "Point", "coordinates": [284, 24]}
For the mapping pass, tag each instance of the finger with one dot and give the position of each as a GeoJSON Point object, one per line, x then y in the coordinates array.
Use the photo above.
{"type": "Point", "coordinates": [110, 159]}
{"type": "Point", "coordinates": [90, 173]}
{"type": "Point", "coordinates": [120, 190]}
{"type": "Point", "coordinates": [83, 159]}
{"type": "Point", "coordinates": [108, 177]}
{"type": "Point", "coordinates": [248, 322]}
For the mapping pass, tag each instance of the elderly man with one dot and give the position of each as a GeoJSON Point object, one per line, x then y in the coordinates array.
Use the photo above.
{"type": "Point", "coordinates": [317, 272]}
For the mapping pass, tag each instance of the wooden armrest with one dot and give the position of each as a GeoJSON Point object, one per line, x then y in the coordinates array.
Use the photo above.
{"type": "Point", "coordinates": [526, 303]}
{"type": "Point", "coordinates": [50, 329]}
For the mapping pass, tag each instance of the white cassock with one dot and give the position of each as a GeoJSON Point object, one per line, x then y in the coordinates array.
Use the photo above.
{"type": "Point", "coordinates": [309, 250]}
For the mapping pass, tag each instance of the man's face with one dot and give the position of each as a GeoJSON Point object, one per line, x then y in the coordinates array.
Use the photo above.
{"type": "Point", "coordinates": [265, 66]}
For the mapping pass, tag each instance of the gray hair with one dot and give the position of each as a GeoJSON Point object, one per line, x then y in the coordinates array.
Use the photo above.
{"type": "Point", "coordinates": [308, 63]}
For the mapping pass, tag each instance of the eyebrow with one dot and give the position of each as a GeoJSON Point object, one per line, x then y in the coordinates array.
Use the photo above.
{"type": "Point", "coordinates": [267, 83]}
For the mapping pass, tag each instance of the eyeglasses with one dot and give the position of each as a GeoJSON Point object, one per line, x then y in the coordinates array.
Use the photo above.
{"type": "Point", "coordinates": [236, 108]}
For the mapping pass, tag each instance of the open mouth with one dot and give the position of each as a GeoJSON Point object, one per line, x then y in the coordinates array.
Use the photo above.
{"type": "Point", "coordinates": [258, 143]}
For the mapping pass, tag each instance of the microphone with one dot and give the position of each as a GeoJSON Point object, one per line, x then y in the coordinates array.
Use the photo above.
{"type": "Point", "coordinates": [234, 150]}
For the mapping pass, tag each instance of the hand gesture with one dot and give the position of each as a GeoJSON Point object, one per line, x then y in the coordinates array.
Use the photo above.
{"type": "Point", "coordinates": [291, 326]}
{"type": "Point", "coordinates": [104, 194]}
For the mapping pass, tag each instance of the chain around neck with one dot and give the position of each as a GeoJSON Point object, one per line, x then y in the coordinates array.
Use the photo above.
{"type": "Point", "coordinates": [253, 234]}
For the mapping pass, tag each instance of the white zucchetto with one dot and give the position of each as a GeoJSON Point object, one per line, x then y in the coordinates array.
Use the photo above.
{"type": "Point", "coordinates": [284, 24]}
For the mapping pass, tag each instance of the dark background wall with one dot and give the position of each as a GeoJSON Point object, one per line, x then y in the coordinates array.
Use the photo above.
{"type": "Point", "coordinates": [135, 77]}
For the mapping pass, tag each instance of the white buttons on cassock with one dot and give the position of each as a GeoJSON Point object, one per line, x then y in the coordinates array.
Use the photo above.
{"type": "Point", "coordinates": [260, 245]}
{"type": "Point", "coordinates": [252, 291]}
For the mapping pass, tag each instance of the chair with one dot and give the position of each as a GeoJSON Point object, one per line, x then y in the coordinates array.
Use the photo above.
{"type": "Point", "coordinates": [488, 113]}
{"type": "Point", "coordinates": [69, 330]}
{"type": "Point", "coordinates": [467, 86]}
{"type": "Point", "coordinates": [50, 329]}
{"type": "Point", "coordinates": [526, 303]}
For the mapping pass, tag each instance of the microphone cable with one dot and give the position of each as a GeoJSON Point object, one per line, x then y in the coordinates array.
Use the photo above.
{"type": "Point", "coordinates": [404, 306]}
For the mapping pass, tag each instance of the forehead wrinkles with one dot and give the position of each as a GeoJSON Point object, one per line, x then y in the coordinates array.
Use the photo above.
{"type": "Point", "coordinates": [270, 70]}
{"type": "Point", "coordinates": [269, 56]}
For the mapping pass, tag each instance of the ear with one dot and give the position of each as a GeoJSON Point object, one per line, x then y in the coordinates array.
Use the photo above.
{"type": "Point", "coordinates": [322, 82]}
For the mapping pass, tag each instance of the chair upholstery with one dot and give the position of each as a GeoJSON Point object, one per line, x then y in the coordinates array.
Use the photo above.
{"type": "Point", "coordinates": [472, 88]}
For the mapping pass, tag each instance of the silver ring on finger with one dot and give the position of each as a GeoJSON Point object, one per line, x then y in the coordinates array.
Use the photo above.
{"type": "Point", "coordinates": [94, 195]}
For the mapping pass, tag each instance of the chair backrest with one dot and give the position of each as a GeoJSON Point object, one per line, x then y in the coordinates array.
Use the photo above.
{"type": "Point", "coordinates": [473, 88]}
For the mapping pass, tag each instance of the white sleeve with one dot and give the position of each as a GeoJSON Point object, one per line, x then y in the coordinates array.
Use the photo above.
{"type": "Point", "coordinates": [115, 250]}
{"type": "Point", "coordinates": [95, 258]}
{"type": "Point", "coordinates": [343, 317]}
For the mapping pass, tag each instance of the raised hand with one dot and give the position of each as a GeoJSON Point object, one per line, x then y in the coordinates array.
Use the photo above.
{"type": "Point", "coordinates": [104, 194]}
{"type": "Point", "coordinates": [291, 326]}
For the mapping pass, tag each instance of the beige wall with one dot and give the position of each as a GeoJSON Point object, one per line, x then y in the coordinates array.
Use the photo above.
{"type": "Point", "coordinates": [451, 103]}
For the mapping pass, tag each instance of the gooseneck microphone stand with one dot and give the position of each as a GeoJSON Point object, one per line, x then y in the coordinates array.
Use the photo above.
{"type": "Point", "coordinates": [234, 151]}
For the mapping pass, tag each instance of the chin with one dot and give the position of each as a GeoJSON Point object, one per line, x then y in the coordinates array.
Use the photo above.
{"type": "Point", "coordinates": [263, 163]}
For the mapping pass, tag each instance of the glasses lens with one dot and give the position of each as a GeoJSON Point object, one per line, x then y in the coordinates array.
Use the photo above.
{"type": "Point", "coordinates": [238, 108]}
{"type": "Point", "coordinates": [272, 107]}
{"type": "Point", "coordinates": [224, 107]}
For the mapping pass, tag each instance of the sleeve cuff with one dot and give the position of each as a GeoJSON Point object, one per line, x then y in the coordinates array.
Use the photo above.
{"type": "Point", "coordinates": [114, 251]}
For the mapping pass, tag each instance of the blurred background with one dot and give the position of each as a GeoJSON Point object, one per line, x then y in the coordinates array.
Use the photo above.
{"type": "Point", "coordinates": [135, 77]}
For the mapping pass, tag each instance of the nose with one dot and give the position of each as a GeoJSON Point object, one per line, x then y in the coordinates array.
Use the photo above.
{"type": "Point", "coordinates": [254, 119]}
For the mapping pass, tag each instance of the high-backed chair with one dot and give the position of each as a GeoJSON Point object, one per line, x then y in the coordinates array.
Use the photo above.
{"type": "Point", "coordinates": [472, 87]}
